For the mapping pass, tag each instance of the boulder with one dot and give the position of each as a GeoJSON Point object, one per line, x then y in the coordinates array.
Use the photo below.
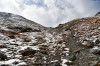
{"type": "Point", "coordinates": [95, 50]}
{"type": "Point", "coordinates": [2, 56]}
{"type": "Point", "coordinates": [97, 41]}
{"type": "Point", "coordinates": [27, 52]}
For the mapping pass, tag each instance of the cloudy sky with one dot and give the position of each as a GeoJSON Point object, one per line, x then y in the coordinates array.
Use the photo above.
{"type": "Point", "coordinates": [51, 12]}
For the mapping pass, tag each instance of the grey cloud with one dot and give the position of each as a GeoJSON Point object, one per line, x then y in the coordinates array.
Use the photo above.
{"type": "Point", "coordinates": [51, 12]}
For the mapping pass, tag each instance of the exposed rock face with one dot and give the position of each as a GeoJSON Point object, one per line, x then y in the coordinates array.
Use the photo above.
{"type": "Point", "coordinates": [26, 43]}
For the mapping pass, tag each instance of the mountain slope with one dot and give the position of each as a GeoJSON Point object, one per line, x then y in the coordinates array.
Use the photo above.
{"type": "Point", "coordinates": [84, 39]}
{"type": "Point", "coordinates": [26, 43]}
{"type": "Point", "coordinates": [17, 23]}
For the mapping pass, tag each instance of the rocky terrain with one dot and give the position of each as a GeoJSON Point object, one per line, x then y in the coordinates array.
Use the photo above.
{"type": "Point", "coordinates": [26, 43]}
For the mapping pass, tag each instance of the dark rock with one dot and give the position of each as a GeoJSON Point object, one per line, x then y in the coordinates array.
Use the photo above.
{"type": "Point", "coordinates": [54, 64]}
{"type": "Point", "coordinates": [69, 63]}
{"type": "Point", "coordinates": [27, 30]}
{"type": "Point", "coordinates": [50, 64]}
{"type": "Point", "coordinates": [12, 37]}
{"type": "Point", "coordinates": [3, 56]}
{"type": "Point", "coordinates": [50, 42]}
{"type": "Point", "coordinates": [36, 30]}
{"type": "Point", "coordinates": [26, 39]}
{"type": "Point", "coordinates": [97, 41]}
{"type": "Point", "coordinates": [72, 58]}
{"type": "Point", "coordinates": [15, 62]}
{"type": "Point", "coordinates": [27, 52]}
{"type": "Point", "coordinates": [44, 52]}
{"type": "Point", "coordinates": [24, 29]}
{"type": "Point", "coordinates": [5, 65]}
{"type": "Point", "coordinates": [3, 46]}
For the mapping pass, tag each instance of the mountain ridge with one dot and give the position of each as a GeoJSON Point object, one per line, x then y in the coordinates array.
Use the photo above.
{"type": "Point", "coordinates": [10, 15]}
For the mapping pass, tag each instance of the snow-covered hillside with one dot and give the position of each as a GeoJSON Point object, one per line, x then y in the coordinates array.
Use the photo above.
{"type": "Point", "coordinates": [26, 43]}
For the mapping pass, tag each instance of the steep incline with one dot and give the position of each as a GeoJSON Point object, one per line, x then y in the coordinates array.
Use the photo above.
{"type": "Point", "coordinates": [17, 23]}
{"type": "Point", "coordinates": [83, 39]}
{"type": "Point", "coordinates": [26, 43]}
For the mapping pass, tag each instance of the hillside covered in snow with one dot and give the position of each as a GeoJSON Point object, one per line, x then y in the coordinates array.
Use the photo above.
{"type": "Point", "coordinates": [26, 43]}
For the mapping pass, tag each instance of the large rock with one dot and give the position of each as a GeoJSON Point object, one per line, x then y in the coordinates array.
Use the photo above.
{"type": "Point", "coordinates": [27, 52]}
{"type": "Point", "coordinates": [3, 56]}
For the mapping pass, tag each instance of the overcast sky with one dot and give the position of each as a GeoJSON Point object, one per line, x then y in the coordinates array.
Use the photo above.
{"type": "Point", "coordinates": [51, 12]}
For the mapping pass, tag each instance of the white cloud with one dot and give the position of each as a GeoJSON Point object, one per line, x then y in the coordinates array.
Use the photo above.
{"type": "Point", "coordinates": [50, 12]}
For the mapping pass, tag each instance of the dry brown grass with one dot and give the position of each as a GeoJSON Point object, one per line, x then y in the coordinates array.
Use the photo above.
{"type": "Point", "coordinates": [8, 32]}
{"type": "Point", "coordinates": [91, 19]}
